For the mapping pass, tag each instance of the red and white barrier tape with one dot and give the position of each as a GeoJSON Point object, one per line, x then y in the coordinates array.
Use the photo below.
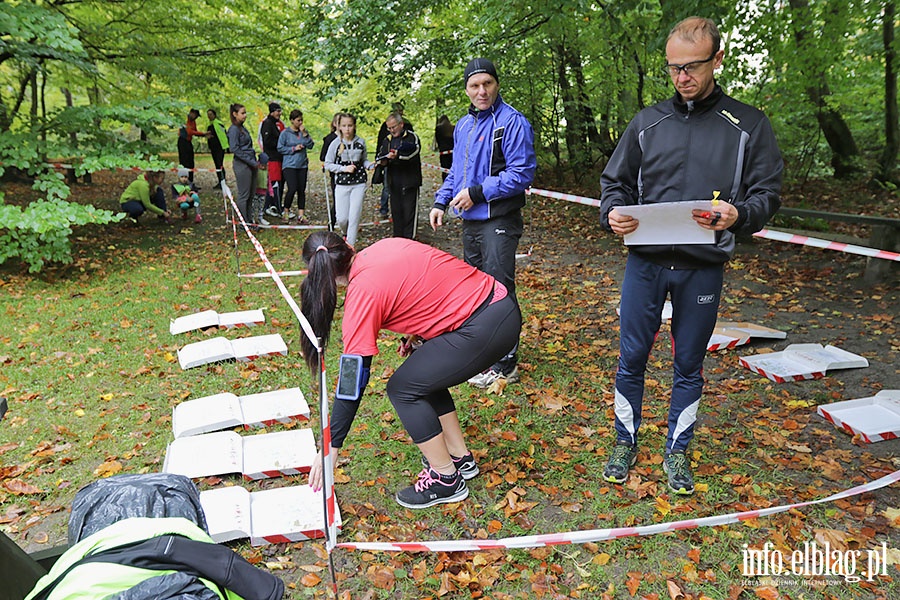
{"type": "Point", "coordinates": [600, 535]}
{"type": "Point", "coordinates": [803, 240]}
{"type": "Point", "coordinates": [307, 328]}
{"type": "Point", "coordinates": [327, 457]}
{"type": "Point", "coordinates": [293, 226]}
{"type": "Point", "coordinates": [561, 196]}
{"type": "Point", "coordinates": [436, 168]}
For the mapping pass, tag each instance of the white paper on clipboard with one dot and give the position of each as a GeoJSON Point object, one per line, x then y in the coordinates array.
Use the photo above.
{"type": "Point", "coordinates": [668, 223]}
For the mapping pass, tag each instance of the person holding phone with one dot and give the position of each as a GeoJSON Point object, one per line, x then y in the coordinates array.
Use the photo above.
{"type": "Point", "coordinates": [456, 321]}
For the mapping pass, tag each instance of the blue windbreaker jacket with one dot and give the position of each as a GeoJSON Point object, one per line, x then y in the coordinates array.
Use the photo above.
{"type": "Point", "coordinates": [493, 156]}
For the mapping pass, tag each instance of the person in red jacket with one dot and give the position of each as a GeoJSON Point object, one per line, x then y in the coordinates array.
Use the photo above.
{"type": "Point", "coordinates": [186, 135]}
{"type": "Point", "coordinates": [269, 132]}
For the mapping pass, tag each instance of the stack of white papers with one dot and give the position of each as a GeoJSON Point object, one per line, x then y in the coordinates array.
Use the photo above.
{"type": "Point", "coordinates": [873, 419]}
{"type": "Point", "coordinates": [728, 334]}
{"type": "Point", "coordinates": [664, 223]}
{"type": "Point", "coordinates": [802, 361]}
{"type": "Point", "coordinates": [287, 514]}
{"type": "Point", "coordinates": [222, 411]}
{"type": "Point", "coordinates": [255, 456]}
{"type": "Point", "coordinates": [210, 318]}
{"type": "Point", "coordinates": [219, 348]}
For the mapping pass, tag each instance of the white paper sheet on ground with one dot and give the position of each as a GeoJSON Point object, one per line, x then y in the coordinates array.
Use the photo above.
{"type": "Point", "coordinates": [728, 334]}
{"type": "Point", "coordinates": [668, 223]}
{"type": "Point", "coordinates": [210, 318]}
{"type": "Point", "coordinates": [739, 330]}
{"type": "Point", "coordinates": [227, 512]}
{"type": "Point", "coordinates": [293, 512]}
{"type": "Point", "coordinates": [254, 456]}
{"type": "Point", "coordinates": [282, 514]}
{"type": "Point", "coordinates": [219, 349]}
{"type": "Point", "coordinates": [802, 361]}
{"type": "Point", "coordinates": [874, 419]}
{"type": "Point", "coordinates": [226, 410]}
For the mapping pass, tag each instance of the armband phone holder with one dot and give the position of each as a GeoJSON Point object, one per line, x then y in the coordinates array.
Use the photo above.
{"type": "Point", "coordinates": [350, 377]}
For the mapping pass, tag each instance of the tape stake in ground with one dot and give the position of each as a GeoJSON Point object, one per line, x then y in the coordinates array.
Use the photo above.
{"type": "Point", "coordinates": [268, 275]}
{"type": "Point", "coordinates": [601, 535]}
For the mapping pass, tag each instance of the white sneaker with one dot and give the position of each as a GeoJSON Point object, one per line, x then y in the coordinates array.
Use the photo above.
{"type": "Point", "coordinates": [486, 378]}
{"type": "Point", "coordinates": [263, 221]}
{"type": "Point", "coordinates": [273, 212]}
{"type": "Point", "coordinates": [288, 215]}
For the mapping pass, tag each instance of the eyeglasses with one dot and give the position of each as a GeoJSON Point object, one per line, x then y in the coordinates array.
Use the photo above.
{"type": "Point", "coordinates": [395, 126]}
{"type": "Point", "coordinates": [690, 69]}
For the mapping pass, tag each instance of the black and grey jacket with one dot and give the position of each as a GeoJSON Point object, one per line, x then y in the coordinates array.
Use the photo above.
{"type": "Point", "coordinates": [342, 153]}
{"type": "Point", "coordinates": [677, 150]}
{"type": "Point", "coordinates": [404, 171]}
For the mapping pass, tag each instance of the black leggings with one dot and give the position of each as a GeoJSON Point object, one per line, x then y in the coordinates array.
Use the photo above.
{"type": "Point", "coordinates": [418, 389]}
{"type": "Point", "coordinates": [296, 183]}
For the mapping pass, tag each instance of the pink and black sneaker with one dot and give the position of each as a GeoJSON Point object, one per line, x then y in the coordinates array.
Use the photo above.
{"type": "Point", "coordinates": [433, 488]}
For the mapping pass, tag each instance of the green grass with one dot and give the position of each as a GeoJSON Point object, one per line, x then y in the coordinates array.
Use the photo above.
{"type": "Point", "coordinates": [89, 368]}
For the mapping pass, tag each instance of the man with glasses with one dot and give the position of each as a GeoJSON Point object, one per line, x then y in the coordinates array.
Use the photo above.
{"type": "Point", "coordinates": [400, 154]}
{"type": "Point", "coordinates": [698, 145]}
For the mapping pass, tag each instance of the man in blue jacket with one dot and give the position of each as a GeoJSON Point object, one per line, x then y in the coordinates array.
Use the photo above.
{"type": "Point", "coordinates": [494, 164]}
{"type": "Point", "coordinates": [698, 145]}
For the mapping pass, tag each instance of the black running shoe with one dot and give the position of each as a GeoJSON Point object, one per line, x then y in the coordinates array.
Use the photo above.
{"type": "Point", "coordinates": [433, 488]}
{"type": "Point", "coordinates": [621, 460]}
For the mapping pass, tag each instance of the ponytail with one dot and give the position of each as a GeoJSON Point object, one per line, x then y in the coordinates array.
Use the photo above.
{"type": "Point", "coordinates": [328, 256]}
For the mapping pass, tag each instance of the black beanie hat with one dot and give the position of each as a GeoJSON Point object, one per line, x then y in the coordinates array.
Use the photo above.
{"type": "Point", "coordinates": [479, 65]}
{"type": "Point", "coordinates": [273, 106]}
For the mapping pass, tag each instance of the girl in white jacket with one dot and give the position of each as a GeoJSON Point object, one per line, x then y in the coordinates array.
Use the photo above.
{"type": "Point", "coordinates": [348, 160]}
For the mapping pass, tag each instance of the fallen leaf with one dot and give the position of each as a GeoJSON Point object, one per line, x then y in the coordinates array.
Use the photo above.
{"type": "Point", "coordinates": [632, 584]}
{"type": "Point", "coordinates": [498, 386]}
{"type": "Point", "coordinates": [382, 577]}
{"type": "Point", "coordinates": [675, 592]}
{"type": "Point", "coordinates": [766, 592]}
{"type": "Point", "coordinates": [20, 488]}
{"type": "Point", "coordinates": [663, 506]}
{"type": "Point", "coordinates": [108, 468]}
{"type": "Point", "coordinates": [11, 471]}
{"type": "Point", "coordinates": [893, 516]}
{"type": "Point", "coordinates": [7, 447]}
{"type": "Point", "coordinates": [310, 580]}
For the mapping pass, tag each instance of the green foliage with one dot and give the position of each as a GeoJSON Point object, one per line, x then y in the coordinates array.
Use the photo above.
{"type": "Point", "coordinates": [39, 233]}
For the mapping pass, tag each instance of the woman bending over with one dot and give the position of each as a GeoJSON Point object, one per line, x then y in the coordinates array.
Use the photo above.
{"type": "Point", "coordinates": [464, 319]}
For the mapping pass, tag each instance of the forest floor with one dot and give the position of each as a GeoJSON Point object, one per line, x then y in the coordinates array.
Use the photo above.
{"type": "Point", "coordinates": [758, 443]}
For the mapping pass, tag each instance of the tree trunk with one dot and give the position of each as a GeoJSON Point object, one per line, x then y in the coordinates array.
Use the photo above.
{"type": "Point", "coordinates": [33, 112]}
{"type": "Point", "coordinates": [73, 137]}
{"type": "Point", "coordinates": [43, 96]}
{"type": "Point", "coordinates": [845, 157]}
{"type": "Point", "coordinates": [891, 129]}
{"type": "Point", "coordinates": [581, 131]}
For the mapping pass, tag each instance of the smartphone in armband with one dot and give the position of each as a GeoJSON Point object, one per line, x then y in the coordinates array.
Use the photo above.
{"type": "Point", "coordinates": [350, 377]}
